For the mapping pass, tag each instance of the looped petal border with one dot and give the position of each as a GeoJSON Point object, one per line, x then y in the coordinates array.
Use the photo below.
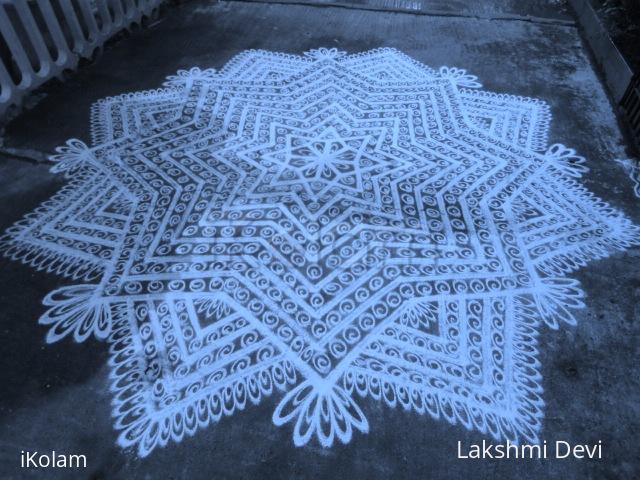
{"type": "Point", "coordinates": [324, 410]}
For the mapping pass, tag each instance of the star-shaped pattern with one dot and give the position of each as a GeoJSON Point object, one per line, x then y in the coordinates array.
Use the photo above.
{"type": "Point", "coordinates": [323, 228]}
{"type": "Point", "coordinates": [323, 167]}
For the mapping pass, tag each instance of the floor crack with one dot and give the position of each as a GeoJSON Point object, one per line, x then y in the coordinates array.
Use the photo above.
{"type": "Point", "coordinates": [416, 9]}
{"type": "Point", "coordinates": [25, 155]}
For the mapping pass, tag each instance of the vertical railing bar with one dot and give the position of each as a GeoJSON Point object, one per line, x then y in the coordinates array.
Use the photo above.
{"type": "Point", "coordinates": [16, 48]}
{"type": "Point", "coordinates": [8, 86]}
{"type": "Point", "coordinates": [119, 17]}
{"type": "Point", "coordinates": [107, 21]}
{"type": "Point", "coordinates": [65, 57]}
{"type": "Point", "coordinates": [130, 11]}
{"type": "Point", "coordinates": [35, 36]}
{"type": "Point", "coordinates": [74, 25]}
{"type": "Point", "coordinates": [90, 19]}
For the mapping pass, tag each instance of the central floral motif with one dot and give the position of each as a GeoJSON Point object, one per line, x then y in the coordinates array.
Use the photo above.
{"type": "Point", "coordinates": [319, 172]}
{"type": "Point", "coordinates": [330, 226]}
{"type": "Point", "coordinates": [322, 167]}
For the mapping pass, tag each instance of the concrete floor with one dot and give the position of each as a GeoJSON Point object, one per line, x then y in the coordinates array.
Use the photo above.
{"type": "Point", "coordinates": [56, 396]}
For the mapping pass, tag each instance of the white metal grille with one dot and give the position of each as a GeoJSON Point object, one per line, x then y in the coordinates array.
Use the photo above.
{"type": "Point", "coordinates": [39, 39]}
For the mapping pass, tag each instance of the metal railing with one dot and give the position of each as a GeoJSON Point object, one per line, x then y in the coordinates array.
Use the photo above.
{"type": "Point", "coordinates": [39, 39]}
{"type": "Point", "coordinates": [617, 72]}
{"type": "Point", "coordinates": [631, 107]}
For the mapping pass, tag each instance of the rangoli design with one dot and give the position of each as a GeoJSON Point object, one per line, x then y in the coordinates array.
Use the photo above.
{"type": "Point", "coordinates": [319, 228]}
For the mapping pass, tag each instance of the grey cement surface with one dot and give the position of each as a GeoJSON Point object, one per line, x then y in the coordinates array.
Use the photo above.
{"type": "Point", "coordinates": [543, 11]}
{"type": "Point", "coordinates": [56, 396]}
